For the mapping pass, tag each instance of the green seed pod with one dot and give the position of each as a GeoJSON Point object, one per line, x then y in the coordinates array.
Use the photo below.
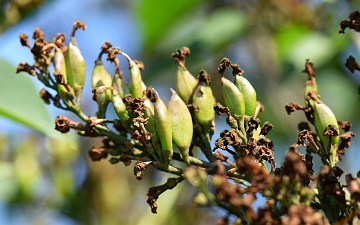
{"type": "Point", "coordinates": [64, 90]}
{"type": "Point", "coordinates": [181, 125]}
{"type": "Point", "coordinates": [120, 108]}
{"type": "Point", "coordinates": [204, 99]}
{"type": "Point", "coordinates": [310, 86]}
{"type": "Point", "coordinates": [150, 114]}
{"type": "Point", "coordinates": [233, 97]}
{"type": "Point", "coordinates": [100, 77]}
{"type": "Point", "coordinates": [137, 85]}
{"type": "Point", "coordinates": [75, 64]}
{"type": "Point", "coordinates": [185, 83]}
{"type": "Point", "coordinates": [248, 93]}
{"type": "Point", "coordinates": [151, 127]}
{"type": "Point", "coordinates": [117, 84]}
{"type": "Point", "coordinates": [324, 117]}
{"type": "Point", "coordinates": [163, 128]}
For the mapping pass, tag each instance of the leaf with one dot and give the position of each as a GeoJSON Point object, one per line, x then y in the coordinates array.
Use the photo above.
{"type": "Point", "coordinates": [212, 31]}
{"type": "Point", "coordinates": [20, 101]}
{"type": "Point", "coordinates": [156, 17]}
{"type": "Point", "coordinates": [296, 43]}
{"type": "Point", "coordinates": [221, 27]}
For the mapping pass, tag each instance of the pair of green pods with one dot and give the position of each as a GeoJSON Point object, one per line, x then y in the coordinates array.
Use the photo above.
{"type": "Point", "coordinates": [239, 96]}
{"type": "Point", "coordinates": [171, 123]}
{"type": "Point", "coordinates": [199, 93]}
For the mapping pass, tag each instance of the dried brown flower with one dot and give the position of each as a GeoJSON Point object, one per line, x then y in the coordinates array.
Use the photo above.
{"type": "Point", "coordinates": [24, 67]}
{"type": "Point", "coordinates": [46, 96]}
{"type": "Point", "coordinates": [292, 107]}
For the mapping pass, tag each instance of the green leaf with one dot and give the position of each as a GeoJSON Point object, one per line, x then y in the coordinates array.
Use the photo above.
{"type": "Point", "coordinates": [212, 31]}
{"type": "Point", "coordinates": [296, 43]}
{"type": "Point", "coordinates": [221, 27]}
{"type": "Point", "coordinates": [156, 17]}
{"type": "Point", "coordinates": [20, 101]}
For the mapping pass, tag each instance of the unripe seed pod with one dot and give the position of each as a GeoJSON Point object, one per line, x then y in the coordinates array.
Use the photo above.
{"type": "Point", "coordinates": [203, 98]}
{"type": "Point", "coordinates": [163, 128]}
{"type": "Point", "coordinates": [150, 114]}
{"type": "Point", "coordinates": [248, 93]}
{"type": "Point", "coordinates": [181, 125]}
{"type": "Point", "coordinates": [65, 92]}
{"type": "Point", "coordinates": [137, 85]}
{"type": "Point", "coordinates": [310, 86]}
{"type": "Point", "coordinates": [118, 84]}
{"type": "Point", "coordinates": [323, 118]}
{"type": "Point", "coordinates": [151, 126]}
{"type": "Point", "coordinates": [120, 108]}
{"type": "Point", "coordinates": [75, 64]}
{"type": "Point", "coordinates": [100, 77]}
{"type": "Point", "coordinates": [233, 97]}
{"type": "Point", "coordinates": [185, 83]}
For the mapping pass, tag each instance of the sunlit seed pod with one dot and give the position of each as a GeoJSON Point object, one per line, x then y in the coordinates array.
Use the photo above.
{"type": "Point", "coordinates": [233, 97]}
{"type": "Point", "coordinates": [204, 99]}
{"type": "Point", "coordinates": [75, 64]}
{"type": "Point", "coordinates": [163, 128]}
{"type": "Point", "coordinates": [65, 93]}
{"type": "Point", "coordinates": [120, 108]}
{"type": "Point", "coordinates": [185, 83]}
{"type": "Point", "coordinates": [117, 84]}
{"type": "Point", "coordinates": [100, 77]}
{"type": "Point", "coordinates": [181, 125]}
{"type": "Point", "coordinates": [137, 85]}
{"type": "Point", "coordinates": [248, 93]}
{"type": "Point", "coordinates": [323, 118]}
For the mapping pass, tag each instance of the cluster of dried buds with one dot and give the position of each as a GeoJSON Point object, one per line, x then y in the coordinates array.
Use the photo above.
{"type": "Point", "coordinates": [146, 129]}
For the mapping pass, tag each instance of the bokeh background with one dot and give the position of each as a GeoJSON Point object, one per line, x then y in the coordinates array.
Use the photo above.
{"type": "Point", "coordinates": [47, 178]}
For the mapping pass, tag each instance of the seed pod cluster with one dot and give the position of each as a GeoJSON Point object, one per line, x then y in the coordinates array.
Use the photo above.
{"type": "Point", "coordinates": [146, 130]}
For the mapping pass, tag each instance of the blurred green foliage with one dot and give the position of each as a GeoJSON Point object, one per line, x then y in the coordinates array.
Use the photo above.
{"type": "Point", "coordinates": [20, 101]}
{"type": "Point", "coordinates": [12, 11]}
{"type": "Point", "coordinates": [270, 39]}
